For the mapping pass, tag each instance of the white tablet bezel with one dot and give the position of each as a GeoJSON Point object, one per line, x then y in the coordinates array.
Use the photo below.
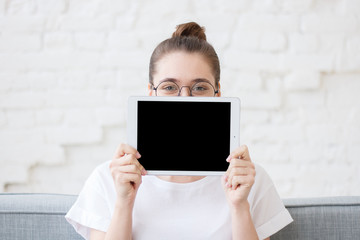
{"type": "Point", "coordinates": [234, 126]}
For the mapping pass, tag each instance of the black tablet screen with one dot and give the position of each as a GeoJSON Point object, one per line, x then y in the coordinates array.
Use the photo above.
{"type": "Point", "coordinates": [184, 136]}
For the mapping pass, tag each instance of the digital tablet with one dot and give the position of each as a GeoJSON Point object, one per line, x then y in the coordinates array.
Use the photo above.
{"type": "Point", "coordinates": [184, 135]}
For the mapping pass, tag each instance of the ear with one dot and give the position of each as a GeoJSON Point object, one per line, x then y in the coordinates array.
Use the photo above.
{"type": "Point", "coordinates": [150, 91]}
{"type": "Point", "coordinates": [219, 91]}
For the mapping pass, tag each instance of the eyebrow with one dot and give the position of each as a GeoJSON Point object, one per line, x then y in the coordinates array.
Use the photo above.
{"type": "Point", "coordinates": [196, 80]}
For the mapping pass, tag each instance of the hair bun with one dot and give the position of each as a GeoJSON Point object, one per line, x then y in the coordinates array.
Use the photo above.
{"type": "Point", "coordinates": [190, 29]}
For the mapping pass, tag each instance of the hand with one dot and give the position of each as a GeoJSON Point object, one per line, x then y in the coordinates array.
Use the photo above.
{"type": "Point", "coordinates": [126, 172]}
{"type": "Point", "coordinates": [239, 178]}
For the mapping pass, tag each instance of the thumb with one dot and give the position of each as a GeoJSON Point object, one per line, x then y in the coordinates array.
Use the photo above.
{"type": "Point", "coordinates": [223, 181]}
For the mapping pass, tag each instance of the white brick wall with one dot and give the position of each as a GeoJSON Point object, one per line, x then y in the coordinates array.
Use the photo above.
{"type": "Point", "coordinates": [67, 68]}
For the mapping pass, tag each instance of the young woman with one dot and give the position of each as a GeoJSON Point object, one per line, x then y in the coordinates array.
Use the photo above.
{"type": "Point", "coordinates": [119, 201]}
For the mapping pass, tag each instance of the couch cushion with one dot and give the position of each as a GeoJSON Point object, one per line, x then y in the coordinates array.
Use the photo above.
{"type": "Point", "coordinates": [35, 216]}
{"type": "Point", "coordinates": [322, 218]}
{"type": "Point", "coordinates": [41, 216]}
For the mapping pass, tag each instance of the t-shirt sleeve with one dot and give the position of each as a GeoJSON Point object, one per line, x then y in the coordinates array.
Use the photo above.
{"type": "Point", "coordinates": [268, 211]}
{"type": "Point", "coordinates": [90, 210]}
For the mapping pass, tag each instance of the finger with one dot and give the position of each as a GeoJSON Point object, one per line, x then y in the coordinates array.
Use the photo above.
{"type": "Point", "coordinates": [235, 181]}
{"type": "Point", "coordinates": [131, 159]}
{"type": "Point", "coordinates": [236, 162]}
{"type": "Point", "coordinates": [239, 171]}
{"type": "Point", "coordinates": [128, 160]}
{"type": "Point", "coordinates": [125, 160]}
{"type": "Point", "coordinates": [122, 171]}
{"type": "Point", "coordinates": [135, 179]}
{"type": "Point", "coordinates": [245, 181]}
{"type": "Point", "coordinates": [128, 178]}
{"type": "Point", "coordinates": [124, 149]}
{"type": "Point", "coordinates": [241, 152]}
{"type": "Point", "coordinates": [129, 169]}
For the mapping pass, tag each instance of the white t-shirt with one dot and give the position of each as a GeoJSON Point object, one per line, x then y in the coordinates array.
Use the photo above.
{"type": "Point", "coordinates": [166, 210]}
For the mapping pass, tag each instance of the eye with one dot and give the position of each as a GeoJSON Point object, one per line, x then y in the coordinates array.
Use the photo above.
{"type": "Point", "coordinates": [203, 89]}
{"type": "Point", "coordinates": [169, 88]}
{"type": "Point", "coordinates": [199, 88]}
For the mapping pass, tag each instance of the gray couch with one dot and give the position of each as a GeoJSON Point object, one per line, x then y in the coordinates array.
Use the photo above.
{"type": "Point", "coordinates": [41, 216]}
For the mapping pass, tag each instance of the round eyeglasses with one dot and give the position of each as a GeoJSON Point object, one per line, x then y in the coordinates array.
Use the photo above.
{"type": "Point", "coordinates": [199, 89]}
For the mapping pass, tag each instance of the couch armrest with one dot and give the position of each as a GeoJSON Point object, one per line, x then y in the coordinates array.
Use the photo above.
{"type": "Point", "coordinates": [36, 216]}
{"type": "Point", "coordinates": [322, 218]}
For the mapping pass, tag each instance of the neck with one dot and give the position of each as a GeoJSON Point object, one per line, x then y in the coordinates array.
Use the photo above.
{"type": "Point", "coordinates": [181, 179]}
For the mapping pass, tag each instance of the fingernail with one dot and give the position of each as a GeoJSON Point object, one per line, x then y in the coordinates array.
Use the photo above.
{"type": "Point", "coordinates": [228, 158]}
{"type": "Point", "coordinates": [225, 178]}
{"type": "Point", "coordinates": [138, 155]}
{"type": "Point", "coordinates": [143, 172]}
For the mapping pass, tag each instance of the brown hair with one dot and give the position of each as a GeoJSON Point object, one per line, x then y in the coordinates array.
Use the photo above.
{"type": "Point", "coordinates": [191, 38]}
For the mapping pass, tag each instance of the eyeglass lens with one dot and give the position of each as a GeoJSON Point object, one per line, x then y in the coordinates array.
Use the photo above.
{"type": "Point", "coordinates": [169, 88]}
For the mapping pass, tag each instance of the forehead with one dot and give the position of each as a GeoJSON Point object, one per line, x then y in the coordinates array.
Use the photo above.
{"type": "Point", "coordinates": [184, 67]}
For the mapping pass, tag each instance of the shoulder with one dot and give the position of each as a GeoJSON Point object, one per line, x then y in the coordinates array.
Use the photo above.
{"type": "Point", "coordinates": [263, 184]}
{"type": "Point", "coordinates": [92, 208]}
{"type": "Point", "coordinates": [100, 178]}
{"type": "Point", "coordinates": [103, 169]}
{"type": "Point", "coordinates": [262, 177]}
{"type": "Point", "coordinates": [267, 209]}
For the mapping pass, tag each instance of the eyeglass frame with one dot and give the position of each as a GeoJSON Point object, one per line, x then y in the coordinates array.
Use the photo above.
{"type": "Point", "coordinates": [180, 88]}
